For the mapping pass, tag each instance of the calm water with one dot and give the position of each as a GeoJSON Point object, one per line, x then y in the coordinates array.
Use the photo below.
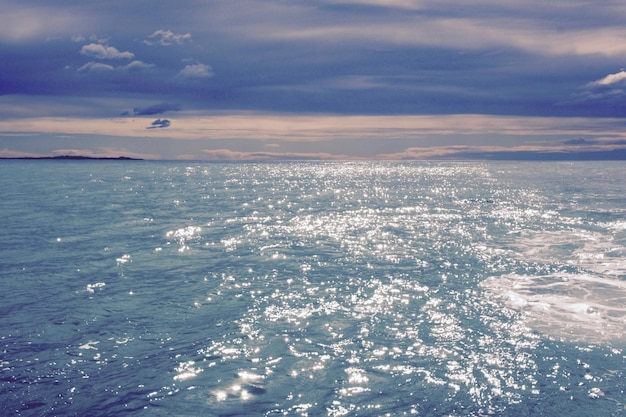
{"type": "Point", "coordinates": [312, 289]}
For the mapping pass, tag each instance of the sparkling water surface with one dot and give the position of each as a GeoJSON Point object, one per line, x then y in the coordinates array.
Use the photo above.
{"type": "Point", "coordinates": [312, 289]}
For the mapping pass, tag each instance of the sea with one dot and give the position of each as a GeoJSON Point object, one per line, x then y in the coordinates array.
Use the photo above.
{"type": "Point", "coordinates": [306, 288]}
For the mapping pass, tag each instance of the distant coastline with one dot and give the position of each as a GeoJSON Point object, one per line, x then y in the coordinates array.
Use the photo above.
{"type": "Point", "coordinates": [76, 158]}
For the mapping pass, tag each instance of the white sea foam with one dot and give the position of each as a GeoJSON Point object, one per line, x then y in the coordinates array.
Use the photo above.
{"type": "Point", "coordinates": [584, 302]}
{"type": "Point", "coordinates": [566, 306]}
{"type": "Point", "coordinates": [595, 251]}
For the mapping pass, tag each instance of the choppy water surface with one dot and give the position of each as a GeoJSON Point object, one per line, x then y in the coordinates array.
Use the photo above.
{"type": "Point", "coordinates": [312, 289]}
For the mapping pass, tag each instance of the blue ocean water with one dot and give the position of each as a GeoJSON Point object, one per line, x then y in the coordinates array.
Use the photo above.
{"type": "Point", "coordinates": [312, 289]}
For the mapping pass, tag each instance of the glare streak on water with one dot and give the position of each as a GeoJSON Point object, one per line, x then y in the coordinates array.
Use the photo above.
{"type": "Point", "coordinates": [310, 288]}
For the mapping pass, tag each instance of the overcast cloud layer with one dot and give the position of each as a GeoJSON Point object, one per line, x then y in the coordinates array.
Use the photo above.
{"type": "Point", "coordinates": [314, 79]}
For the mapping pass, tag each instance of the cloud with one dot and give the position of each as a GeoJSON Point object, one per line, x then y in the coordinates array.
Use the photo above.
{"type": "Point", "coordinates": [197, 71]}
{"type": "Point", "coordinates": [609, 79]}
{"type": "Point", "coordinates": [608, 89]}
{"type": "Point", "coordinates": [578, 141]}
{"type": "Point", "coordinates": [297, 128]}
{"type": "Point", "coordinates": [400, 4]}
{"type": "Point", "coordinates": [332, 136]}
{"type": "Point", "coordinates": [105, 52]}
{"type": "Point", "coordinates": [95, 67]}
{"type": "Point", "coordinates": [167, 37]}
{"type": "Point", "coordinates": [159, 124]}
{"type": "Point", "coordinates": [159, 108]}
{"type": "Point", "coordinates": [104, 152]}
{"type": "Point", "coordinates": [8, 153]}
{"type": "Point", "coordinates": [101, 67]}
{"type": "Point", "coordinates": [517, 153]}
{"type": "Point", "coordinates": [19, 22]}
{"type": "Point", "coordinates": [138, 65]}
{"type": "Point", "coordinates": [503, 28]}
{"type": "Point", "coordinates": [230, 155]}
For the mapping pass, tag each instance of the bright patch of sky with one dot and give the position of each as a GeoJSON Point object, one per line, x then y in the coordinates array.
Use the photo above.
{"type": "Point", "coordinates": [324, 79]}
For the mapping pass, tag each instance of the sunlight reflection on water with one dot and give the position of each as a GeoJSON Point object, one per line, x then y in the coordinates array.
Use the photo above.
{"type": "Point", "coordinates": [348, 326]}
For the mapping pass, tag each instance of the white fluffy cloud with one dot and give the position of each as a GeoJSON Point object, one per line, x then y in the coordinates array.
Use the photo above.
{"type": "Point", "coordinates": [138, 65]}
{"type": "Point", "coordinates": [610, 79]}
{"type": "Point", "coordinates": [95, 67]}
{"type": "Point", "coordinates": [99, 51]}
{"type": "Point", "coordinates": [197, 71]}
{"type": "Point", "coordinates": [167, 37]}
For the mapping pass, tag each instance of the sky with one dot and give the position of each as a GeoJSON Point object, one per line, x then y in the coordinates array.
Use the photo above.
{"type": "Point", "coordinates": [314, 79]}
